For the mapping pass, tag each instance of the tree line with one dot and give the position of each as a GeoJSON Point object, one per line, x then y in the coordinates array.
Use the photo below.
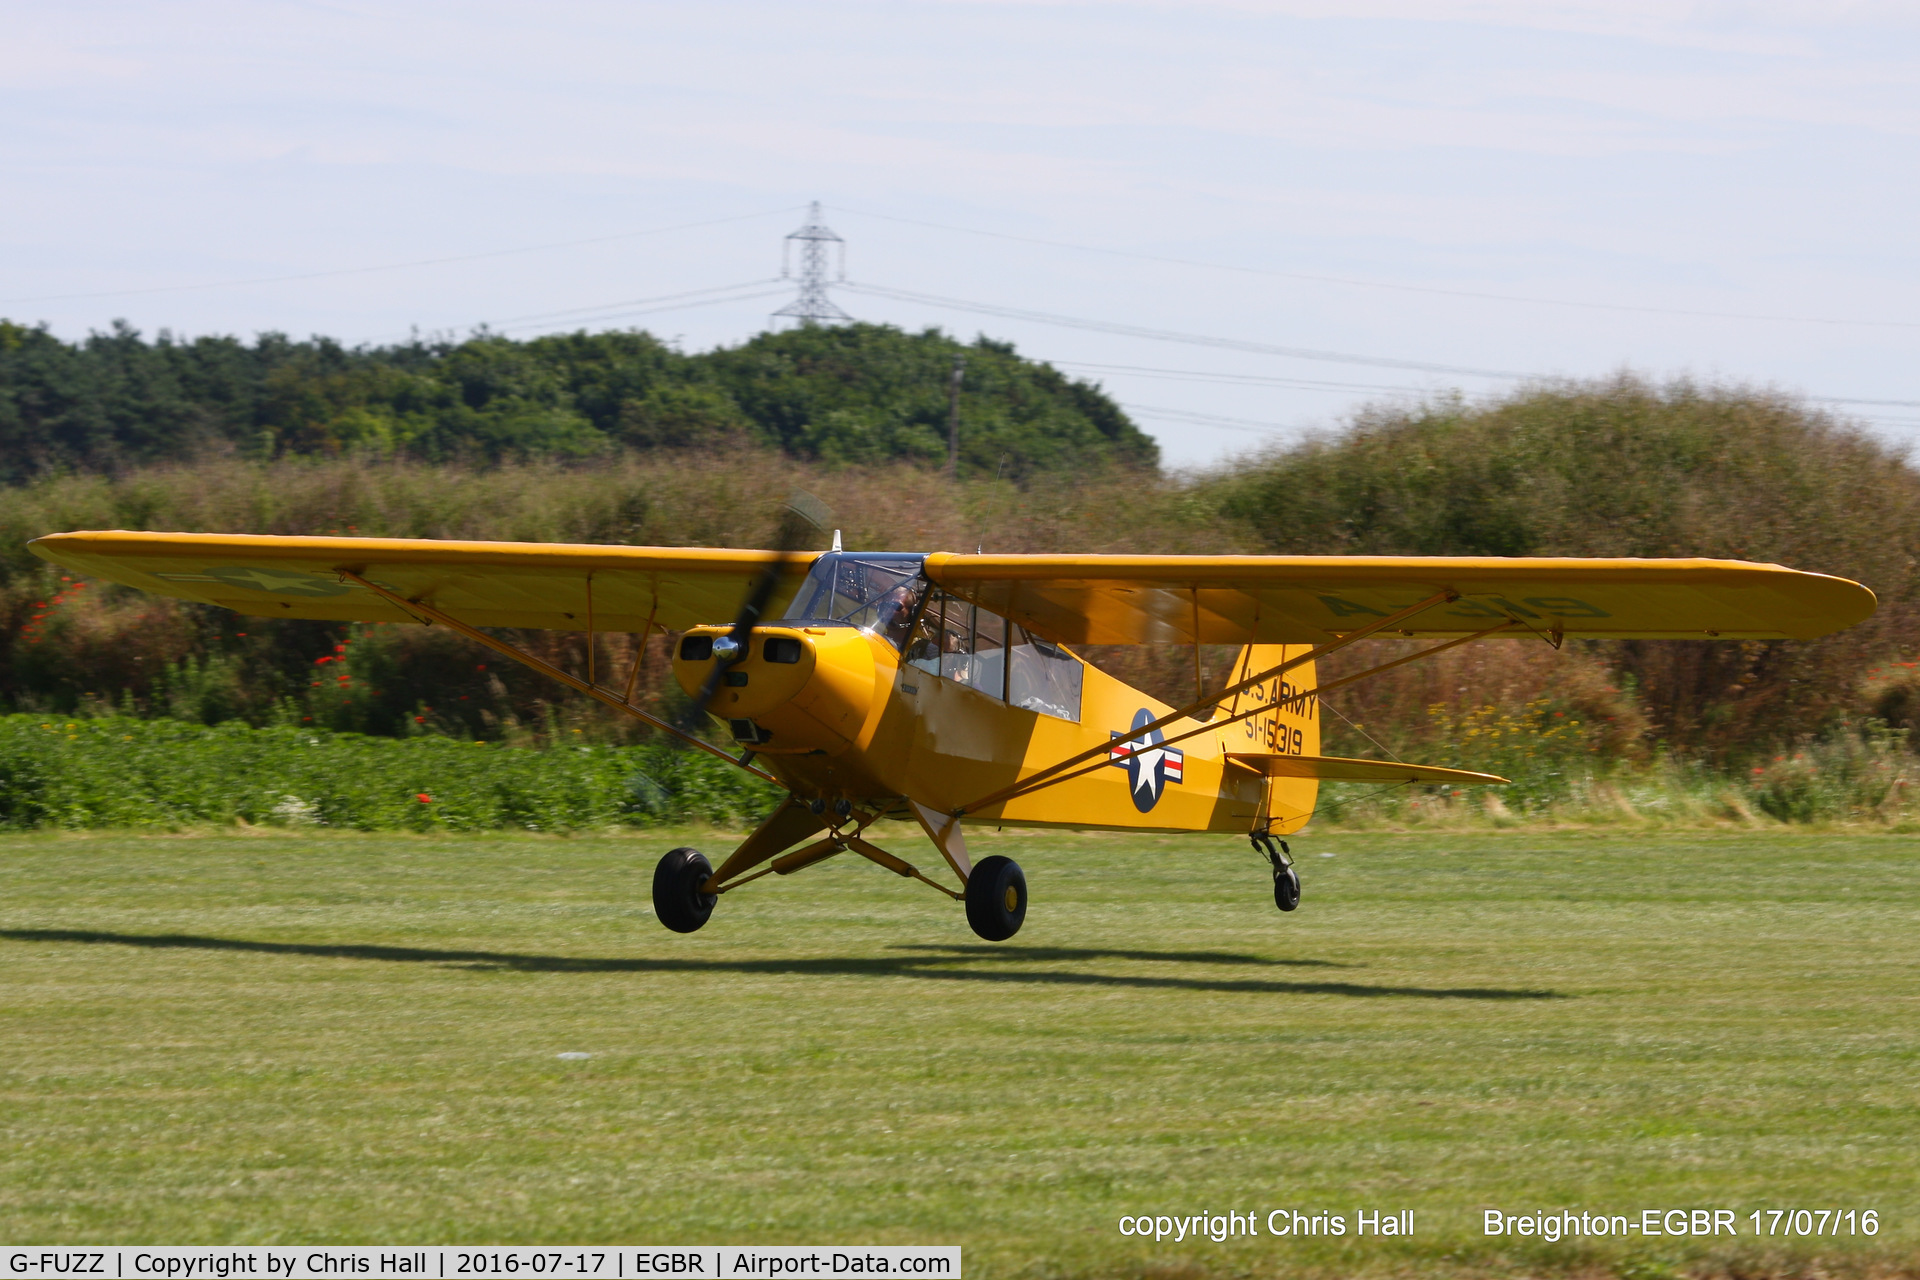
{"type": "Point", "coordinates": [859, 394]}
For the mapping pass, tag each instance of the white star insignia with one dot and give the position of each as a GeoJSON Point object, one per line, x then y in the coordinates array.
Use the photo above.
{"type": "Point", "coordinates": [267, 580]}
{"type": "Point", "coordinates": [279, 582]}
{"type": "Point", "coordinates": [1148, 774]}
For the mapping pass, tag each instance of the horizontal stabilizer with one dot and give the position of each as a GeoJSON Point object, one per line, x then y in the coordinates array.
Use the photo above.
{"type": "Point", "coordinates": [1337, 769]}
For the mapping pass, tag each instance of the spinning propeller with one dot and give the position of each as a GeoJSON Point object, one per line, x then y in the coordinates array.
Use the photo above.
{"type": "Point", "coordinates": [801, 517]}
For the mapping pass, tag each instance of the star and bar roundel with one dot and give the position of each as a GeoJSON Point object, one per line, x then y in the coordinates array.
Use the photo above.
{"type": "Point", "coordinates": [1149, 765]}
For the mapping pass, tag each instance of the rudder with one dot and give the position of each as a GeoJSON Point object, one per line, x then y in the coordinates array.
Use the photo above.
{"type": "Point", "coordinates": [1287, 723]}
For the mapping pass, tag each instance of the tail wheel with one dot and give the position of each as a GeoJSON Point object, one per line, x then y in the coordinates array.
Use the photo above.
{"type": "Point", "coordinates": [996, 898]}
{"type": "Point", "coordinates": [1286, 888]}
{"type": "Point", "coordinates": [677, 899]}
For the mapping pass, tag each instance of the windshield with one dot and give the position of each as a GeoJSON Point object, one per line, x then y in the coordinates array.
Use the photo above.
{"type": "Point", "coordinates": [878, 591]}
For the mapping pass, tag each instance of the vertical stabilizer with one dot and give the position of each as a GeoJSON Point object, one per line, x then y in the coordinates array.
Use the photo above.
{"type": "Point", "coordinates": [1287, 723]}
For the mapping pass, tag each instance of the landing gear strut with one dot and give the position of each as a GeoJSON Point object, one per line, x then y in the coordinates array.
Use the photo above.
{"type": "Point", "coordinates": [1286, 881]}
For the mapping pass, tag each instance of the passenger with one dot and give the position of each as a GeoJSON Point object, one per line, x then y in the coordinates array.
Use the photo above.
{"type": "Point", "coordinates": [956, 645]}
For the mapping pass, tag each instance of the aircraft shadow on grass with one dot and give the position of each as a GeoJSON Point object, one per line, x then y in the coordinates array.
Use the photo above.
{"type": "Point", "coordinates": [928, 962]}
{"type": "Point", "coordinates": [994, 951]}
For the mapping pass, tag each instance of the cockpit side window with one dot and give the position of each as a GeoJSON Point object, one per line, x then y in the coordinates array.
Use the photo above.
{"type": "Point", "coordinates": [970, 646]}
{"type": "Point", "coordinates": [942, 636]}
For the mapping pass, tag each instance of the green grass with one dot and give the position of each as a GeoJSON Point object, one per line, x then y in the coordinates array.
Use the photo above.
{"type": "Point", "coordinates": [121, 772]}
{"type": "Point", "coordinates": [117, 771]}
{"type": "Point", "coordinates": [335, 1037]}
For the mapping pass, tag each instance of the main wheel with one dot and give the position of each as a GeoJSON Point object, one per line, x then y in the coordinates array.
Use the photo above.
{"type": "Point", "coordinates": [677, 899]}
{"type": "Point", "coordinates": [1286, 888]}
{"type": "Point", "coordinates": [996, 898]}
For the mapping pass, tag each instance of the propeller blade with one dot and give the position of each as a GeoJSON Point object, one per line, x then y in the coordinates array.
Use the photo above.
{"type": "Point", "coordinates": [801, 517]}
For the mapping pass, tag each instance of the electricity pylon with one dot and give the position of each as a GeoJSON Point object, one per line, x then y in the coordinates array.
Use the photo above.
{"type": "Point", "coordinates": [813, 306]}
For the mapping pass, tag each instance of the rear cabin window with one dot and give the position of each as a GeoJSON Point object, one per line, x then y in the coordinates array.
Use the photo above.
{"type": "Point", "coordinates": [1042, 677]}
{"type": "Point", "coordinates": [968, 645]}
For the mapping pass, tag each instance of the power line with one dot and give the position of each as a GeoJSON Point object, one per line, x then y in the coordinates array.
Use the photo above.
{"type": "Point", "coordinates": [1254, 425]}
{"type": "Point", "coordinates": [1313, 384]}
{"type": "Point", "coordinates": [1887, 404]}
{"type": "Point", "coordinates": [1261, 427]}
{"type": "Point", "coordinates": [1237, 379]}
{"type": "Point", "coordinates": [1262, 348]}
{"type": "Point", "coordinates": [676, 306]}
{"type": "Point", "coordinates": [397, 266]}
{"type": "Point", "coordinates": [1193, 339]}
{"type": "Point", "coordinates": [637, 307]}
{"type": "Point", "coordinates": [1379, 284]}
{"type": "Point", "coordinates": [639, 302]}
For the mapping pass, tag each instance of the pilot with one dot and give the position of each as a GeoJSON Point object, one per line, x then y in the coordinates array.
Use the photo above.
{"type": "Point", "coordinates": [894, 613]}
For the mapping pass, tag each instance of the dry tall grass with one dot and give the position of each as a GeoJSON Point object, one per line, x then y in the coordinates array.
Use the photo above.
{"type": "Point", "coordinates": [1628, 468]}
{"type": "Point", "coordinates": [112, 647]}
{"type": "Point", "coordinates": [1619, 468]}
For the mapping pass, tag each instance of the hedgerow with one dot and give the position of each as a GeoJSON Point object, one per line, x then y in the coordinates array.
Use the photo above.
{"type": "Point", "coordinates": [123, 772]}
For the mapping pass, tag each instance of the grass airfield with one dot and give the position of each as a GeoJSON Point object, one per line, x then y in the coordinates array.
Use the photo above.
{"type": "Point", "coordinates": [343, 1039]}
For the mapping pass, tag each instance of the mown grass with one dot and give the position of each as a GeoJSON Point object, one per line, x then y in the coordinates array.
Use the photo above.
{"type": "Point", "coordinates": [331, 1037]}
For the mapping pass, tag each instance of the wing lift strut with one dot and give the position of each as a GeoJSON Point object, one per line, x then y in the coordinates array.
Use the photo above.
{"type": "Point", "coordinates": [1066, 770]}
{"type": "Point", "coordinates": [796, 819]}
{"type": "Point", "coordinates": [622, 702]}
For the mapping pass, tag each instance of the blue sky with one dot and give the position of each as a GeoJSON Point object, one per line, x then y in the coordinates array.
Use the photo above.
{"type": "Point", "coordinates": [1360, 174]}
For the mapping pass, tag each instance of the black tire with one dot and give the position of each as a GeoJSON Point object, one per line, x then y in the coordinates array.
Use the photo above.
{"type": "Point", "coordinates": [1286, 888]}
{"type": "Point", "coordinates": [996, 898]}
{"type": "Point", "coordinates": [677, 899]}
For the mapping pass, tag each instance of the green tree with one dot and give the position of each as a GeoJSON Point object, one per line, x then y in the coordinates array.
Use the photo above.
{"type": "Point", "coordinates": [853, 394]}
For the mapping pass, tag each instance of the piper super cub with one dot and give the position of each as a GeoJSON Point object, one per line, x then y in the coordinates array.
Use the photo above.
{"type": "Point", "coordinates": [943, 690]}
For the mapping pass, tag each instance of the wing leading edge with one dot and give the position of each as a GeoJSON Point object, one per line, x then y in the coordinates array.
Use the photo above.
{"type": "Point", "coordinates": [486, 584]}
{"type": "Point", "coordinates": [1075, 599]}
{"type": "Point", "coordinates": [1097, 599]}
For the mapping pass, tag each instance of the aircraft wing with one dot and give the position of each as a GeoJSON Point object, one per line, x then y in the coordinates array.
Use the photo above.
{"type": "Point", "coordinates": [1097, 599]}
{"type": "Point", "coordinates": [486, 584]}
{"type": "Point", "coordinates": [1340, 769]}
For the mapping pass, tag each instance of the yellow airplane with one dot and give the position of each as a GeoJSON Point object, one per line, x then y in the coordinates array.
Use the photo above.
{"type": "Point", "coordinates": [940, 689]}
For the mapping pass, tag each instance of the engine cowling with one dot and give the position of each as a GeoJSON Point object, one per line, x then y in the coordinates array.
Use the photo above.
{"type": "Point", "coordinates": [796, 690]}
